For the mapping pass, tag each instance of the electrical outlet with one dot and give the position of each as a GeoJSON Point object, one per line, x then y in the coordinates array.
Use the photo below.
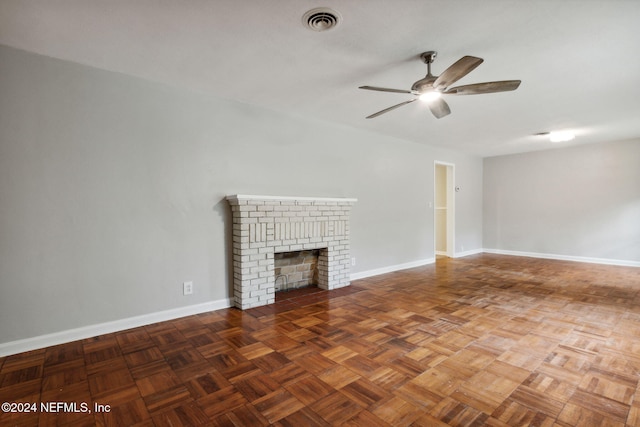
{"type": "Point", "coordinates": [187, 288]}
{"type": "Point", "coordinates": [353, 261]}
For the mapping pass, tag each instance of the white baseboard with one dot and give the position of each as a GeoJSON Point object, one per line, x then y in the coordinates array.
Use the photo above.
{"type": "Point", "coordinates": [607, 261]}
{"type": "Point", "coordinates": [391, 268]}
{"type": "Point", "coordinates": [28, 344]}
{"type": "Point", "coordinates": [468, 253]}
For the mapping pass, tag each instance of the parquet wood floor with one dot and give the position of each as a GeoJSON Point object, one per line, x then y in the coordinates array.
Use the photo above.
{"type": "Point", "coordinates": [482, 340]}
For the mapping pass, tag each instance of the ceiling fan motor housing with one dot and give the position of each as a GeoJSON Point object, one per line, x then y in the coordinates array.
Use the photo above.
{"type": "Point", "coordinates": [424, 85]}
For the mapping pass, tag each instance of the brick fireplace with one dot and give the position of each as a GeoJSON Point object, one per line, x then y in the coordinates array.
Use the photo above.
{"type": "Point", "coordinates": [266, 225]}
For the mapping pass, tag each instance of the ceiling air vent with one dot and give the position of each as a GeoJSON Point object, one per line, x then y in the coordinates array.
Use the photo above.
{"type": "Point", "coordinates": [321, 19]}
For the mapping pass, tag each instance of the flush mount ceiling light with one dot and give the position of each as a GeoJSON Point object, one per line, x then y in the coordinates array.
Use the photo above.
{"type": "Point", "coordinates": [321, 19]}
{"type": "Point", "coordinates": [561, 136]}
{"type": "Point", "coordinates": [558, 136]}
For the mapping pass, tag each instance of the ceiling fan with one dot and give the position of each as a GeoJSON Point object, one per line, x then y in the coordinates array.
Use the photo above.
{"type": "Point", "coordinates": [431, 88]}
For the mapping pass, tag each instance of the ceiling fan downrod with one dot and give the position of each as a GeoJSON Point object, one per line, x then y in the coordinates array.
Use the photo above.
{"type": "Point", "coordinates": [428, 58]}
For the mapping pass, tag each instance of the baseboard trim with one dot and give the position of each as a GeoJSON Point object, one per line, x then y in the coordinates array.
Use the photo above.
{"type": "Point", "coordinates": [392, 268]}
{"type": "Point", "coordinates": [28, 344]}
{"type": "Point", "coordinates": [468, 253]}
{"type": "Point", "coordinates": [606, 261]}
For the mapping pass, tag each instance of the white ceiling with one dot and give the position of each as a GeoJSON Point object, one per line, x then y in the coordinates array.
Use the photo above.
{"type": "Point", "coordinates": [579, 61]}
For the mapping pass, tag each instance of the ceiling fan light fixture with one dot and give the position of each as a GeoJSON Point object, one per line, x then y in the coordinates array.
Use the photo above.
{"type": "Point", "coordinates": [430, 96]}
{"type": "Point", "coordinates": [430, 88]}
{"type": "Point", "coordinates": [561, 136]}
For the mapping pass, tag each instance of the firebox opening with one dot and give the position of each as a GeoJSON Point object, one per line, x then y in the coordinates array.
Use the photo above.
{"type": "Point", "coordinates": [295, 270]}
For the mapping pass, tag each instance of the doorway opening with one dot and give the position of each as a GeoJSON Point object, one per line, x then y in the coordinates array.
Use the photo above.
{"type": "Point", "coordinates": [444, 212]}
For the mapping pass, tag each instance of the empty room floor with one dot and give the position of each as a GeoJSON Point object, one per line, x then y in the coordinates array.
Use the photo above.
{"type": "Point", "coordinates": [481, 340]}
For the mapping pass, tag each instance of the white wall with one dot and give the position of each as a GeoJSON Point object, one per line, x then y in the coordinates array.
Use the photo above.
{"type": "Point", "coordinates": [581, 201]}
{"type": "Point", "coordinates": [112, 192]}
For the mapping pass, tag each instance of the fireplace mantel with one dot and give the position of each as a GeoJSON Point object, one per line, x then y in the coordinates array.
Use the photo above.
{"type": "Point", "coordinates": [264, 225]}
{"type": "Point", "coordinates": [241, 197]}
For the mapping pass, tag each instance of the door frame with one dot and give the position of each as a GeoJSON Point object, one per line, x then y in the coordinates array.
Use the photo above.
{"type": "Point", "coordinates": [451, 207]}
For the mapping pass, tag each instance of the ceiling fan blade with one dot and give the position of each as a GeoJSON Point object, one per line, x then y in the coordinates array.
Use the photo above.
{"type": "Point", "coordinates": [386, 110]}
{"type": "Point", "coordinates": [488, 87]}
{"type": "Point", "coordinates": [384, 89]}
{"type": "Point", "coordinates": [456, 71]}
{"type": "Point", "coordinates": [439, 108]}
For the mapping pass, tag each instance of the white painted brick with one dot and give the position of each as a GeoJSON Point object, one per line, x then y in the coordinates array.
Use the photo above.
{"type": "Point", "coordinates": [246, 208]}
{"type": "Point", "coordinates": [248, 277]}
{"type": "Point", "coordinates": [257, 270]}
{"type": "Point", "coordinates": [249, 300]}
{"type": "Point", "coordinates": [308, 246]}
{"type": "Point", "coordinates": [284, 226]}
{"type": "Point", "coordinates": [256, 282]}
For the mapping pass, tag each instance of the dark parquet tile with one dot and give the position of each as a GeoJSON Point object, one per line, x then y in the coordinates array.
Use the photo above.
{"type": "Point", "coordinates": [484, 340]}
